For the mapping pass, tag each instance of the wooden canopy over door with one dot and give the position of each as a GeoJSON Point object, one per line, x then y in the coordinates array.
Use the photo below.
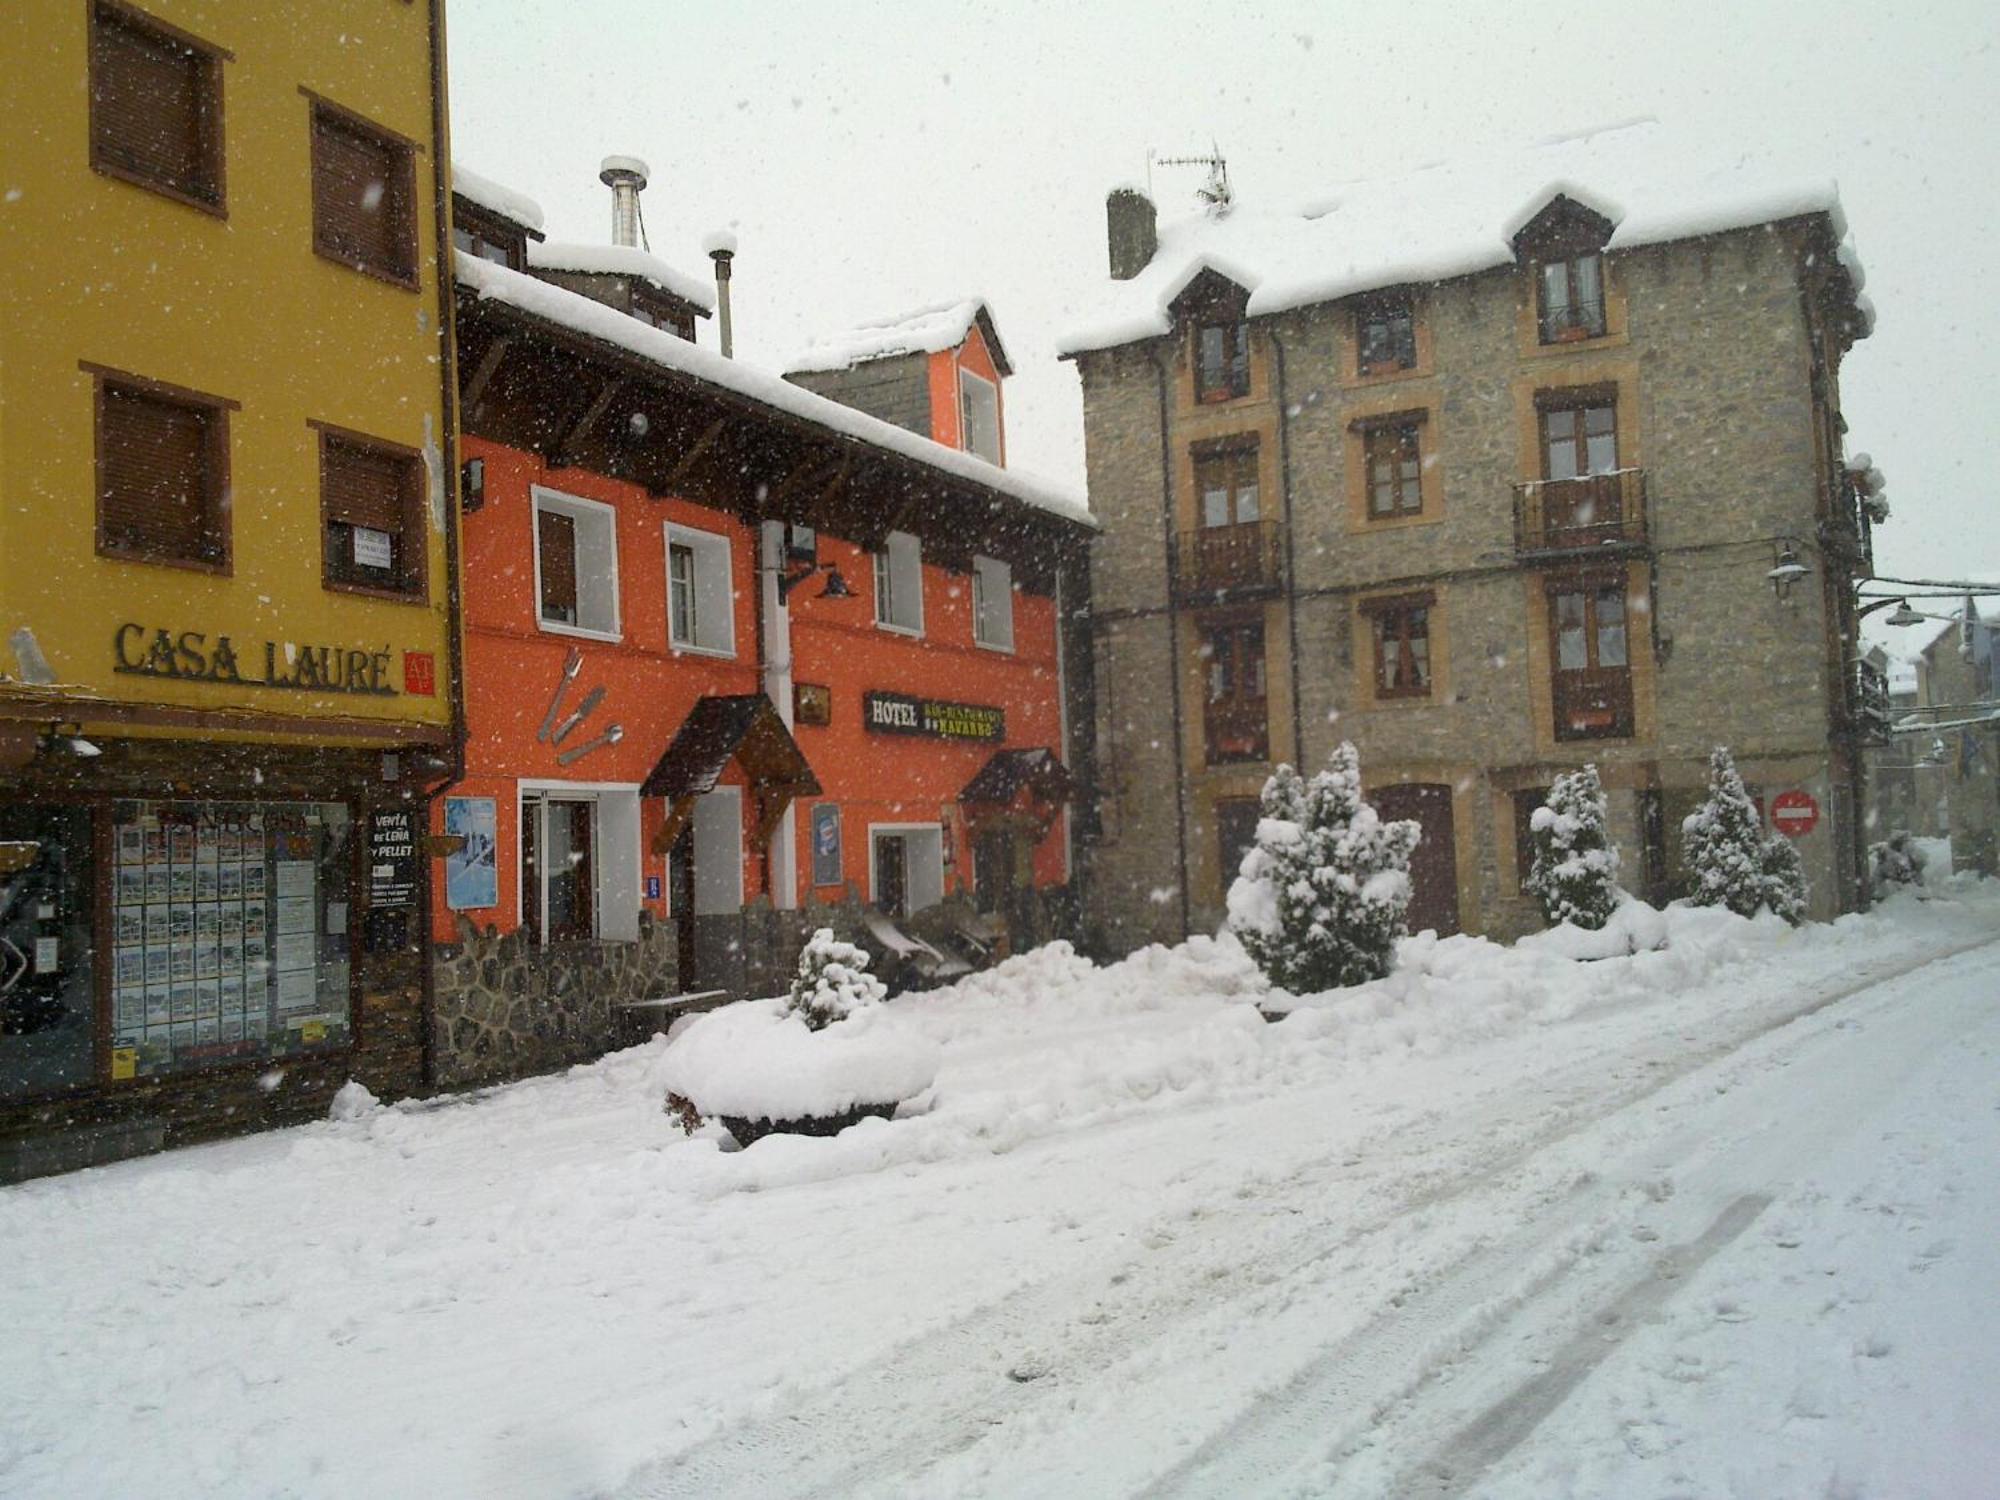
{"type": "Point", "coordinates": [1434, 867]}
{"type": "Point", "coordinates": [745, 728]}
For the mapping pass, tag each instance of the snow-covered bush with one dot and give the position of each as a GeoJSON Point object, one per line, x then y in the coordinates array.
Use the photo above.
{"type": "Point", "coordinates": [1897, 860]}
{"type": "Point", "coordinates": [1319, 901]}
{"type": "Point", "coordinates": [1733, 864]}
{"type": "Point", "coordinates": [1575, 876]}
{"type": "Point", "coordinates": [832, 981]}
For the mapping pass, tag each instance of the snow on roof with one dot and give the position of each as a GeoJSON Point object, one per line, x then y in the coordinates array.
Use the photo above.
{"type": "Point", "coordinates": [928, 330]}
{"type": "Point", "coordinates": [1456, 218]}
{"type": "Point", "coordinates": [593, 319]}
{"type": "Point", "coordinates": [516, 208]}
{"type": "Point", "coordinates": [623, 260]}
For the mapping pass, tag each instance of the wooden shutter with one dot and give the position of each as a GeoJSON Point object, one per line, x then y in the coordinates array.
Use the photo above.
{"type": "Point", "coordinates": [558, 542]}
{"type": "Point", "coordinates": [363, 184]}
{"type": "Point", "coordinates": [155, 106]}
{"type": "Point", "coordinates": [159, 476]}
{"type": "Point", "coordinates": [366, 488]}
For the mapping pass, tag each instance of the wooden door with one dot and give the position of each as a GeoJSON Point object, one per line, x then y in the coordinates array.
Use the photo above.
{"type": "Point", "coordinates": [1434, 867]}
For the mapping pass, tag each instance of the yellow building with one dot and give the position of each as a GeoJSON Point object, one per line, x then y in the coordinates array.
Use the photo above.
{"type": "Point", "coordinates": [227, 605]}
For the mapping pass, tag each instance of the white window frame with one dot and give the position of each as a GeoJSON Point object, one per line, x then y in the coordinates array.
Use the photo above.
{"type": "Point", "coordinates": [618, 890]}
{"type": "Point", "coordinates": [714, 603]}
{"type": "Point", "coordinates": [899, 576]}
{"type": "Point", "coordinates": [974, 386]}
{"type": "Point", "coordinates": [911, 883]}
{"type": "Point", "coordinates": [601, 520]}
{"type": "Point", "coordinates": [992, 594]}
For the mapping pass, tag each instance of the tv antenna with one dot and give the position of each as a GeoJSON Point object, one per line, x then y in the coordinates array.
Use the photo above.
{"type": "Point", "coordinates": [1215, 192]}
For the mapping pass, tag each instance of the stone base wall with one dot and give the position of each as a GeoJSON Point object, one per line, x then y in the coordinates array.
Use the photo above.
{"type": "Point", "coordinates": [507, 1008]}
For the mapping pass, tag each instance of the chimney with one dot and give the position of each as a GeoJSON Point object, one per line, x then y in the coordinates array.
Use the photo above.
{"type": "Point", "coordinates": [626, 177]}
{"type": "Point", "coordinates": [1134, 231]}
{"type": "Point", "coordinates": [721, 248]}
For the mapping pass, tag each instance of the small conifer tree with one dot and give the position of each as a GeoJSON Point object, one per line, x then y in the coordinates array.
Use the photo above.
{"type": "Point", "coordinates": [1575, 876]}
{"type": "Point", "coordinates": [1734, 865]}
{"type": "Point", "coordinates": [832, 981]}
{"type": "Point", "coordinates": [1321, 897]}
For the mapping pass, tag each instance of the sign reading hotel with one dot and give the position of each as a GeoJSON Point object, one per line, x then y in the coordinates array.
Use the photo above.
{"type": "Point", "coordinates": [899, 713]}
{"type": "Point", "coordinates": [193, 656]}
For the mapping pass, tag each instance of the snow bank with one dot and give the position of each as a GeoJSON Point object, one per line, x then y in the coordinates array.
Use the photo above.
{"type": "Point", "coordinates": [1634, 927]}
{"type": "Point", "coordinates": [758, 1060]}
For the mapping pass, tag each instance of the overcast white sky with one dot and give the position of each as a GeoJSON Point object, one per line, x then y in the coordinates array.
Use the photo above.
{"type": "Point", "coordinates": [873, 157]}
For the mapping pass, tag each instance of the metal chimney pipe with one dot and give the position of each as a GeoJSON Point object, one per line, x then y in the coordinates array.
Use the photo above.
{"type": "Point", "coordinates": [721, 248]}
{"type": "Point", "coordinates": [626, 177]}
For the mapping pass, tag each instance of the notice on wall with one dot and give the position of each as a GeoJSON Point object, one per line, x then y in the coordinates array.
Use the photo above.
{"type": "Point", "coordinates": [392, 858]}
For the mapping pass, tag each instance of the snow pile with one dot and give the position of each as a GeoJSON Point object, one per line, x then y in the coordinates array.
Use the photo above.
{"type": "Point", "coordinates": [354, 1101]}
{"type": "Point", "coordinates": [1457, 218]}
{"type": "Point", "coordinates": [928, 330]}
{"type": "Point", "coordinates": [495, 198]}
{"type": "Point", "coordinates": [623, 260]}
{"type": "Point", "coordinates": [1632, 927]}
{"type": "Point", "coordinates": [761, 1061]}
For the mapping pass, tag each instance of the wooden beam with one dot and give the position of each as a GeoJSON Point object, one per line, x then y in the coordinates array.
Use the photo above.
{"type": "Point", "coordinates": [565, 450]}
{"type": "Point", "coordinates": [678, 813]}
{"type": "Point", "coordinates": [690, 458]}
{"type": "Point", "coordinates": [474, 390]}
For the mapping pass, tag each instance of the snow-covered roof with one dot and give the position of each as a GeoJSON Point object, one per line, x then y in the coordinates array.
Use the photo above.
{"type": "Point", "coordinates": [516, 208]}
{"type": "Point", "coordinates": [623, 260]}
{"type": "Point", "coordinates": [580, 314]}
{"type": "Point", "coordinates": [928, 330]}
{"type": "Point", "coordinates": [1456, 218]}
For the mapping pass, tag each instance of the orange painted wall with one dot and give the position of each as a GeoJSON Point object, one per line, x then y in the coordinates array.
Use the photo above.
{"type": "Point", "coordinates": [512, 665]}
{"type": "Point", "coordinates": [947, 419]}
{"type": "Point", "coordinates": [879, 778]}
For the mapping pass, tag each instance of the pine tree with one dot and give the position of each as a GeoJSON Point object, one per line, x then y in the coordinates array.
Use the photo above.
{"type": "Point", "coordinates": [1575, 876]}
{"type": "Point", "coordinates": [832, 981]}
{"type": "Point", "coordinates": [1320, 900]}
{"type": "Point", "coordinates": [1734, 865]}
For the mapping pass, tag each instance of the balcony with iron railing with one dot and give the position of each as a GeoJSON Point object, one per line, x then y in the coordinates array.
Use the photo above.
{"type": "Point", "coordinates": [1594, 514]}
{"type": "Point", "coordinates": [1572, 322]}
{"type": "Point", "coordinates": [1217, 563]}
{"type": "Point", "coordinates": [1870, 711]}
{"type": "Point", "coordinates": [1237, 729]}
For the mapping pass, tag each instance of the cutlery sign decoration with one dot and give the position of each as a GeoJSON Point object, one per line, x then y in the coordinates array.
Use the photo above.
{"type": "Point", "coordinates": [557, 726]}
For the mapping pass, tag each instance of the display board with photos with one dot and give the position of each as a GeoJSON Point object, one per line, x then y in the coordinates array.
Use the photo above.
{"type": "Point", "coordinates": [230, 932]}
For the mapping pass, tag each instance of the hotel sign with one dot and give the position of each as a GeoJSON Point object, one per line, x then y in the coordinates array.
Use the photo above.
{"type": "Point", "coordinates": [899, 713]}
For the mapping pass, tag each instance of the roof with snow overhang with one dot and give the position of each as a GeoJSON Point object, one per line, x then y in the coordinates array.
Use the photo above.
{"type": "Point", "coordinates": [624, 260]}
{"type": "Point", "coordinates": [1457, 218]}
{"type": "Point", "coordinates": [928, 330]}
{"type": "Point", "coordinates": [516, 208]}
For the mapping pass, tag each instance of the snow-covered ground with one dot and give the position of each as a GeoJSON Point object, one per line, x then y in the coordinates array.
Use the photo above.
{"type": "Point", "coordinates": [1718, 1219]}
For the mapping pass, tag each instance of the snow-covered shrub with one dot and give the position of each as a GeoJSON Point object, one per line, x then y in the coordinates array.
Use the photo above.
{"type": "Point", "coordinates": [1575, 876]}
{"type": "Point", "coordinates": [1319, 901]}
{"type": "Point", "coordinates": [1733, 864]}
{"type": "Point", "coordinates": [1897, 860]}
{"type": "Point", "coordinates": [832, 981]}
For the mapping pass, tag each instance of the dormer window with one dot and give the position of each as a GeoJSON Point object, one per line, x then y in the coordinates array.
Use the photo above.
{"type": "Point", "coordinates": [657, 312]}
{"type": "Point", "coordinates": [1385, 335]}
{"type": "Point", "coordinates": [488, 236]}
{"type": "Point", "coordinates": [1571, 296]}
{"type": "Point", "coordinates": [1222, 358]}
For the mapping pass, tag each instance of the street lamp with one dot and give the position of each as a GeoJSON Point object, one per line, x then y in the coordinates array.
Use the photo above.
{"type": "Point", "coordinates": [1901, 615]}
{"type": "Point", "coordinates": [1788, 569]}
{"type": "Point", "coordinates": [836, 586]}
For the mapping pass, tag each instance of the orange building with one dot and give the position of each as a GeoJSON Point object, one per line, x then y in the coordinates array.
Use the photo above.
{"type": "Point", "coordinates": [739, 660]}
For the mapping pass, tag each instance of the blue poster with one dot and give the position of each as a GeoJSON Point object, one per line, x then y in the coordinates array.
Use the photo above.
{"type": "Point", "coordinates": [472, 875]}
{"type": "Point", "coordinates": [826, 844]}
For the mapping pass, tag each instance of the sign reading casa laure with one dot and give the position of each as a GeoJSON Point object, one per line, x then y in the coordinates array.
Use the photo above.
{"type": "Point", "coordinates": [195, 656]}
{"type": "Point", "coordinates": [899, 713]}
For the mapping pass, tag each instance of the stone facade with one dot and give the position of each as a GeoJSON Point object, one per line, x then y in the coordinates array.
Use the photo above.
{"type": "Point", "coordinates": [1723, 371]}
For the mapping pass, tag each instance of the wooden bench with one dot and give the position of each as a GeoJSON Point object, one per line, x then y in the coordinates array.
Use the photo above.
{"type": "Point", "coordinates": [640, 1019]}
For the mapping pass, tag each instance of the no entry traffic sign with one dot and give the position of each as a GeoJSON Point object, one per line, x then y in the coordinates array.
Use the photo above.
{"type": "Point", "coordinates": [1794, 814]}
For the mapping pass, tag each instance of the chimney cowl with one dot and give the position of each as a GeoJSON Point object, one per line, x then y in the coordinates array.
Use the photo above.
{"type": "Point", "coordinates": [614, 169]}
{"type": "Point", "coordinates": [1133, 230]}
{"type": "Point", "coordinates": [626, 176]}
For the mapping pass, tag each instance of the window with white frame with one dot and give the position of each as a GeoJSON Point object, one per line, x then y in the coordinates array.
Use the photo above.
{"type": "Point", "coordinates": [701, 614]}
{"type": "Point", "coordinates": [899, 584]}
{"type": "Point", "coordinates": [979, 410]}
{"type": "Point", "coordinates": [580, 863]}
{"type": "Point", "coordinates": [992, 604]}
{"type": "Point", "coordinates": [576, 565]}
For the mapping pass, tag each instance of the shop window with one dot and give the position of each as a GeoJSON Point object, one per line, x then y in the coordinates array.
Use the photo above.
{"type": "Point", "coordinates": [1222, 358]}
{"type": "Point", "coordinates": [1525, 802]}
{"type": "Point", "coordinates": [162, 475]}
{"type": "Point", "coordinates": [579, 865]}
{"type": "Point", "coordinates": [1385, 335]}
{"type": "Point", "coordinates": [992, 604]}
{"type": "Point", "coordinates": [1592, 672]}
{"type": "Point", "coordinates": [979, 414]}
{"type": "Point", "coordinates": [576, 565]}
{"type": "Point", "coordinates": [155, 106]}
{"type": "Point", "coordinates": [1236, 718]}
{"type": "Point", "coordinates": [372, 502]}
{"type": "Point", "coordinates": [1570, 295]}
{"type": "Point", "coordinates": [701, 594]}
{"type": "Point", "coordinates": [230, 935]}
{"type": "Point", "coordinates": [1236, 821]}
{"type": "Point", "coordinates": [1392, 452]}
{"type": "Point", "coordinates": [364, 189]}
{"type": "Point", "coordinates": [1400, 629]}
{"type": "Point", "coordinates": [48, 902]}
{"type": "Point", "coordinates": [899, 584]}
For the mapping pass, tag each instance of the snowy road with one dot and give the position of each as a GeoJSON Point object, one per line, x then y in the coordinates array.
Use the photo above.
{"type": "Point", "coordinates": [1717, 1220]}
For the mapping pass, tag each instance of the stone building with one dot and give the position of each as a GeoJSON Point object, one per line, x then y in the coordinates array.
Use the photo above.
{"type": "Point", "coordinates": [1954, 724]}
{"type": "Point", "coordinates": [1495, 470]}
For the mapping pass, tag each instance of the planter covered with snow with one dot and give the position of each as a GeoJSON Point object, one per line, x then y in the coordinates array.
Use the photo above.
{"type": "Point", "coordinates": [812, 1062]}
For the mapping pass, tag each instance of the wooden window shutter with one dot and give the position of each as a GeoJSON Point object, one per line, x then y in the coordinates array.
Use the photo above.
{"type": "Point", "coordinates": [155, 107]}
{"type": "Point", "coordinates": [159, 476]}
{"type": "Point", "coordinates": [558, 541]}
{"type": "Point", "coordinates": [363, 191]}
{"type": "Point", "coordinates": [366, 488]}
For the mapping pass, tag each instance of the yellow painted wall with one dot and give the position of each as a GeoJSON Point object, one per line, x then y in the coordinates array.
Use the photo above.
{"type": "Point", "coordinates": [97, 269]}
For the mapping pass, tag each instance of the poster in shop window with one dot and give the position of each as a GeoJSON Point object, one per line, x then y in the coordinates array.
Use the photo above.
{"type": "Point", "coordinates": [472, 873]}
{"type": "Point", "coordinates": [826, 844]}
